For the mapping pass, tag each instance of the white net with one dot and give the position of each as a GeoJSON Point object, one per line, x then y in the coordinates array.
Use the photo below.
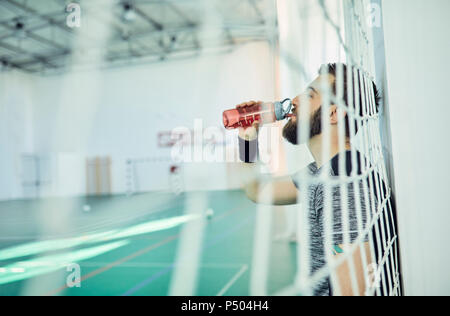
{"type": "Point", "coordinates": [347, 245]}
{"type": "Point", "coordinates": [93, 122]}
{"type": "Point", "coordinates": [346, 237]}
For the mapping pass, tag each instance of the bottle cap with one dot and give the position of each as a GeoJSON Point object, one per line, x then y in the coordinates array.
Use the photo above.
{"type": "Point", "coordinates": [280, 111]}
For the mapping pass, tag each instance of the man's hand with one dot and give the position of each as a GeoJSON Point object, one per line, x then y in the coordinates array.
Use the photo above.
{"type": "Point", "coordinates": [249, 133]}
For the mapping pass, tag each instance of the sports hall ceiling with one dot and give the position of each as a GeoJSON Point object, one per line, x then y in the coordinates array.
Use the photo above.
{"type": "Point", "coordinates": [35, 36]}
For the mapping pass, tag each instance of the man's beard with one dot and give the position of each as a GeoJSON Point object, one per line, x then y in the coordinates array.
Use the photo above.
{"type": "Point", "coordinates": [290, 130]}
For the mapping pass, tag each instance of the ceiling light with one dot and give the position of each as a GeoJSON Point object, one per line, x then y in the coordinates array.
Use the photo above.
{"type": "Point", "coordinates": [20, 30]}
{"type": "Point", "coordinates": [128, 15]}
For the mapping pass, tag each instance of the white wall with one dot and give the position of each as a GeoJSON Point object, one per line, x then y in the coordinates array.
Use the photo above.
{"type": "Point", "coordinates": [417, 52]}
{"type": "Point", "coordinates": [118, 113]}
{"type": "Point", "coordinates": [15, 130]}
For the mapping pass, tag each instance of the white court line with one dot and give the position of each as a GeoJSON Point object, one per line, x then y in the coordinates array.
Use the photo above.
{"type": "Point", "coordinates": [162, 265]}
{"type": "Point", "coordinates": [140, 265]}
{"type": "Point", "coordinates": [233, 280]}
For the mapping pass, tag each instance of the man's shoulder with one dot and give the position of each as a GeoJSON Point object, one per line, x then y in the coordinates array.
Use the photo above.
{"type": "Point", "coordinates": [352, 164]}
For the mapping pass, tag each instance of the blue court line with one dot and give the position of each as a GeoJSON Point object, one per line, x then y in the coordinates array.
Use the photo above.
{"type": "Point", "coordinates": [164, 271]}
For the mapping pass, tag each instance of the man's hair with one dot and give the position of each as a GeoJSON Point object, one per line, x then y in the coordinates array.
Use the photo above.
{"type": "Point", "coordinates": [357, 75]}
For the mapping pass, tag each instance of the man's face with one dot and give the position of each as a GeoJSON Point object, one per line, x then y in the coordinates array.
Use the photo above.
{"type": "Point", "coordinates": [304, 113]}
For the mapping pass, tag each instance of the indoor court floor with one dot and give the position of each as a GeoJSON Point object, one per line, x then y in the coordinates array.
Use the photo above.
{"type": "Point", "coordinates": [128, 245]}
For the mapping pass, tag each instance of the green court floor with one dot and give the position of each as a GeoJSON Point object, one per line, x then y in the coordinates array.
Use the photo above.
{"type": "Point", "coordinates": [128, 245]}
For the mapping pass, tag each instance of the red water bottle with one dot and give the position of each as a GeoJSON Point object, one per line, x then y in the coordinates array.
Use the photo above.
{"type": "Point", "coordinates": [265, 113]}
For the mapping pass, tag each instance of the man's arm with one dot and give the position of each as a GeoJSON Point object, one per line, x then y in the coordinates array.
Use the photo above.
{"type": "Point", "coordinates": [262, 190]}
{"type": "Point", "coordinates": [343, 270]}
{"type": "Point", "coordinates": [271, 191]}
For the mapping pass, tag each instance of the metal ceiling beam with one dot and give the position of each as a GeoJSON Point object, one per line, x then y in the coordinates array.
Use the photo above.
{"type": "Point", "coordinates": [173, 30]}
{"type": "Point", "coordinates": [11, 34]}
{"type": "Point", "coordinates": [180, 13]}
{"type": "Point", "coordinates": [34, 12]}
{"type": "Point", "coordinates": [15, 49]}
{"type": "Point", "coordinates": [42, 59]}
{"type": "Point", "coordinates": [187, 49]}
{"type": "Point", "coordinates": [157, 36]}
{"type": "Point", "coordinates": [38, 38]}
{"type": "Point", "coordinates": [37, 15]}
{"type": "Point", "coordinates": [9, 63]}
{"type": "Point", "coordinates": [33, 62]}
{"type": "Point", "coordinates": [149, 19]}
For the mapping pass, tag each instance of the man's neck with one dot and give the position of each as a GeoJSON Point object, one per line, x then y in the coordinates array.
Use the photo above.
{"type": "Point", "coordinates": [318, 151]}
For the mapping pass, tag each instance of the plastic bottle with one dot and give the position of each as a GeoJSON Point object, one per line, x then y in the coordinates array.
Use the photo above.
{"type": "Point", "coordinates": [265, 113]}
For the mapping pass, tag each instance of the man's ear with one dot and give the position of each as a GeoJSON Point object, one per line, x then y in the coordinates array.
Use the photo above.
{"type": "Point", "coordinates": [334, 117]}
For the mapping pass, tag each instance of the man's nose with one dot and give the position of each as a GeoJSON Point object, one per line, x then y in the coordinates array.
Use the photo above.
{"type": "Point", "coordinates": [296, 101]}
